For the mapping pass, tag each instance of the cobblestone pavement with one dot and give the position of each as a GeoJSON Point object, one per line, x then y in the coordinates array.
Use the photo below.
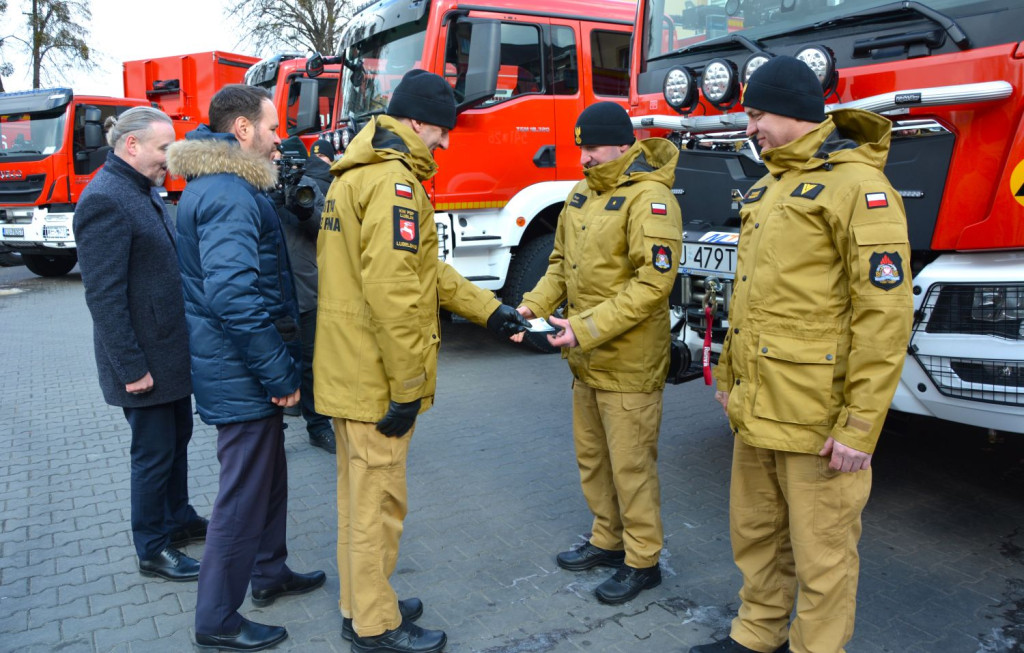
{"type": "Point", "coordinates": [494, 495]}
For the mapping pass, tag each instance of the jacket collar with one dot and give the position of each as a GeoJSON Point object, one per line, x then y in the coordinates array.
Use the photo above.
{"type": "Point", "coordinates": [122, 168]}
{"type": "Point", "coordinates": [205, 152]}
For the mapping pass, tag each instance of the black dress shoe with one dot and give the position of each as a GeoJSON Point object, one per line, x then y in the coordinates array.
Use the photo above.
{"type": "Point", "coordinates": [730, 645]}
{"type": "Point", "coordinates": [194, 531]}
{"type": "Point", "coordinates": [171, 564]}
{"type": "Point", "coordinates": [250, 637]}
{"type": "Point", "coordinates": [407, 638]}
{"type": "Point", "coordinates": [410, 609]}
{"type": "Point", "coordinates": [324, 440]}
{"type": "Point", "coordinates": [588, 556]}
{"type": "Point", "coordinates": [297, 584]}
{"type": "Point", "coordinates": [627, 583]}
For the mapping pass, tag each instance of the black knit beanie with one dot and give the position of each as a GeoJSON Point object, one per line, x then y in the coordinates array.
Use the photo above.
{"type": "Point", "coordinates": [604, 123]}
{"type": "Point", "coordinates": [425, 97]}
{"type": "Point", "coordinates": [323, 147]}
{"type": "Point", "coordinates": [785, 86]}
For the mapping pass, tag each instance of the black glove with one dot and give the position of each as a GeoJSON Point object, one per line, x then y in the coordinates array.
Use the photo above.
{"type": "Point", "coordinates": [506, 321]}
{"type": "Point", "coordinates": [399, 418]}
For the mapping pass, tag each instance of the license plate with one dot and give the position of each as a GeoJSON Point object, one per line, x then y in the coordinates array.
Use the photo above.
{"type": "Point", "coordinates": [55, 232]}
{"type": "Point", "coordinates": [701, 258]}
{"type": "Point", "coordinates": [14, 232]}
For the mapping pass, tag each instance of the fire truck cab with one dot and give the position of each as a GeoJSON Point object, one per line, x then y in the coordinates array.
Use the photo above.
{"type": "Point", "coordinates": [949, 74]}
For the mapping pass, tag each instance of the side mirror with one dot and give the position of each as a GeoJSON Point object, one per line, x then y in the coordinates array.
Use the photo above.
{"type": "Point", "coordinates": [307, 118]}
{"type": "Point", "coordinates": [315, 65]}
{"type": "Point", "coordinates": [484, 61]}
{"type": "Point", "coordinates": [92, 130]}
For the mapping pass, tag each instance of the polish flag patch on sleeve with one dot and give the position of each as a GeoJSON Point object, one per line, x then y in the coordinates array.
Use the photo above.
{"type": "Point", "coordinates": [401, 190]}
{"type": "Point", "coordinates": [877, 200]}
{"type": "Point", "coordinates": [659, 209]}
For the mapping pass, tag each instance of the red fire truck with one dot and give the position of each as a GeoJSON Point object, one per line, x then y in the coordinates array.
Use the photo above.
{"type": "Point", "coordinates": [522, 72]}
{"type": "Point", "coordinates": [285, 76]}
{"type": "Point", "coordinates": [52, 143]}
{"type": "Point", "coordinates": [949, 74]}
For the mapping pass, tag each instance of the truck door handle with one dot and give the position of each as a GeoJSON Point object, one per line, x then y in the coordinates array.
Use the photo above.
{"type": "Point", "coordinates": [545, 157]}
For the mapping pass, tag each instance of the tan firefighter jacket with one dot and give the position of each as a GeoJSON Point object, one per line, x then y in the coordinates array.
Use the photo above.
{"type": "Point", "coordinates": [381, 285]}
{"type": "Point", "coordinates": [821, 307]}
{"type": "Point", "coordinates": [615, 258]}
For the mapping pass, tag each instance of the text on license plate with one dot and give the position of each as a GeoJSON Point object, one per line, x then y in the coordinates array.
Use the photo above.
{"type": "Point", "coordinates": [703, 258]}
{"type": "Point", "coordinates": [14, 232]}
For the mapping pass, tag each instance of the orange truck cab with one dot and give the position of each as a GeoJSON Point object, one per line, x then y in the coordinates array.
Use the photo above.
{"type": "Point", "coordinates": [286, 77]}
{"type": "Point", "coordinates": [949, 74]}
{"type": "Point", "coordinates": [52, 143]}
{"type": "Point", "coordinates": [522, 73]}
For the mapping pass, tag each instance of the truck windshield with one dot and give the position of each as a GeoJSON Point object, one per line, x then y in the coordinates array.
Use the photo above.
{"type": "Point", "coordinates": [29, 136]}
{"type": "Point", "coordinates": [375, 64]}
{"type": "Point", "coordinates": [675, 25]}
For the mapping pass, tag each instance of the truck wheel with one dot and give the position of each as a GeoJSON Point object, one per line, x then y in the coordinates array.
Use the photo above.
{"type": "Point", "coordinates": [528, 266]}
{"type": "Point", "coordinates": [49, 266]}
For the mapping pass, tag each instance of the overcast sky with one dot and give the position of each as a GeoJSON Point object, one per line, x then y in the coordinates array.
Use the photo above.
{"type": "Point", "coordinates": [125, 31]}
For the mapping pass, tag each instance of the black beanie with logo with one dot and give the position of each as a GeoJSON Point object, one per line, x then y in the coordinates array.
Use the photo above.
{"type": "Point", "coordinates": [424, 96]}
{"type": "Point", "coordinates": [604, 123]}
{"type": "Point", "coordinates": [785, 86]}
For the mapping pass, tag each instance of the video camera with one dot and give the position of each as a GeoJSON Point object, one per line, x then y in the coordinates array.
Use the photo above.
{"type": "Point", "coordinates": [291, 168]}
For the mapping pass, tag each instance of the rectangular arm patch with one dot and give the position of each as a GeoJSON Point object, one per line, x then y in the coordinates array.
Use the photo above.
{"type": "Point", "coordinates": [407, 229]}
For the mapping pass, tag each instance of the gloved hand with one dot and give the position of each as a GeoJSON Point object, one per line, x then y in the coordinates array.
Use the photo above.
{"type": "Point", "coordinates": [399, 418]}
{"type": "Point", "coordinates": [506, 321]}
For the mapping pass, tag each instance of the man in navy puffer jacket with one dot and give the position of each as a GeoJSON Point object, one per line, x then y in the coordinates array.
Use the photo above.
{"type": "Point", "coordinates": [244, 340]}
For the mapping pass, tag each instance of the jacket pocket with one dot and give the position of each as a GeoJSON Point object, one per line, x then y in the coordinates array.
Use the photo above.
{"type": "Point", "coordinates": [794, 379]}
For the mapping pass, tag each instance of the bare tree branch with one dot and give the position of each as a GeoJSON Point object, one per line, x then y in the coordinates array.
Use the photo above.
{"type": "Point", "coordinates": [57, 36]}
{"type": "Point", "coordinates": [272, 26]}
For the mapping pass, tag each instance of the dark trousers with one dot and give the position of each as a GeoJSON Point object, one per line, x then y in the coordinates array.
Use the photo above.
{"type": "Point", "coordinates": [159, 453]}
{"type": "Point", "coordinates": [315, 422]}
{"type": "Point", "coordinates": [246, 537]}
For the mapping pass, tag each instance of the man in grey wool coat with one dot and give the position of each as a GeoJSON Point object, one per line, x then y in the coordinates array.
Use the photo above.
{"type": "Point", "coordinates": [126, 254]}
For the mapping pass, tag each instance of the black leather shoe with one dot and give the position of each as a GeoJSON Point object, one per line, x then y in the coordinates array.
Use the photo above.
{"type": "Point", "coordinates": [410, 609]}
{"type": "Point", "coordinates": [730, 645]}
{"type": "Point", "coordinates": [407, 638]}
{"type": "Point", "coordinates": [627, 583]}
{"type": "Point", "coordinates": [250, 637]}
{"type": "Point", "coordinates": [297, 584]}
{"type": "Point", "coordinates": [171, 564]}
{"type": "Point", "coordinates": [588, 556]}
{"type": "Point", "coordinates": [324, 440]}
{"type": "Point", "coordinates": [194, 531]}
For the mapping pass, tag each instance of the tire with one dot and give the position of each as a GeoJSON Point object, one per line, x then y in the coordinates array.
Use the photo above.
{"type": "Point", "coordinates": [49, 266]}
{"type": "Point", "coordinates": [528, 265]}
{"type": "Point", "coordinates": [10, 259]}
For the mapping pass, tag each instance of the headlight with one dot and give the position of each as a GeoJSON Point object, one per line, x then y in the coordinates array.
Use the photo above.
{"type": "Point", "coordinates": [998, 303]}
{"type": "Point", "coordinates": [719, 82]}
{"type": "Point", "coordinates": [822, 63]}
{"type": "Point", "coordinates": [336, 140]}
{"type": "Point", "coordinates": [680, 91]}
{"type": "Point", "coordinates": [752, 63]}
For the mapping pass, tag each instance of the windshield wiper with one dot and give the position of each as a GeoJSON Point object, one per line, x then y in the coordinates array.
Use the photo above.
{"type": "Point", "coordinates": [942, 20]}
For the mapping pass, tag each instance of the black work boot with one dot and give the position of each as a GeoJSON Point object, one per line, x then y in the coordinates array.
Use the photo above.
{"type": "Point", "coordinates": [627, 583]}
{"type": "Point", "coordinates": [730, 645]}
{"type": "Point", "coordinates": [588, 556]}
{"type": "Point", "coordinates": [407, 638]}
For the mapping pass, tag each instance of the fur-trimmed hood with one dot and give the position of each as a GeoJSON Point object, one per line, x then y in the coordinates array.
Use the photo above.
{"type": "Point", "coordinates": [205, 152]}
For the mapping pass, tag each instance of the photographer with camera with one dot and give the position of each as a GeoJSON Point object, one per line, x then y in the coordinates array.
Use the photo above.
{"type": "Point", "coordinates": [300, 200]}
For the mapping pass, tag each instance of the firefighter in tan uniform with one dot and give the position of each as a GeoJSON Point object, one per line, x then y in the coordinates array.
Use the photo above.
{"type": "Point", "coordinates": [615, 258]}
{"type": "Point", "coordinates": [819, 323]}
{"type": "Point", "coordinates": [378, 333]}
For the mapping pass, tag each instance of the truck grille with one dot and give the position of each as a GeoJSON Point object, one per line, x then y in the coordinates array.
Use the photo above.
{"type": "Point", "coordinates": [24, 191]}
{"type": "Point", "coordinates": [985, 319]}
{"type": "Point", "coordinates": [692, 299]}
